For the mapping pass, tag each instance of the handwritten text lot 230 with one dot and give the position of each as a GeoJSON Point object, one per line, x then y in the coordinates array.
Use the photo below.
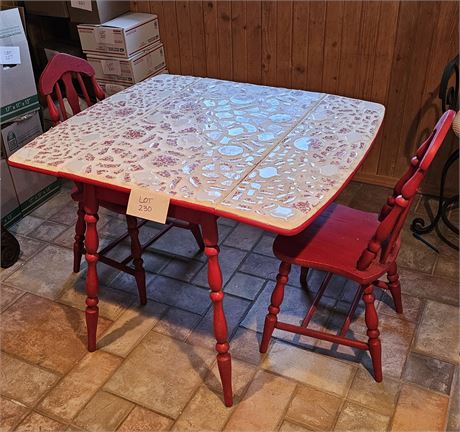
{"type": "Point", "coordinates": [148, 205]}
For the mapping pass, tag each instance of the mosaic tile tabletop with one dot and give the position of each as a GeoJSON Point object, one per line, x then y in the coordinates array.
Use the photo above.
{"type": "Point", "coordinates": [270, 155]}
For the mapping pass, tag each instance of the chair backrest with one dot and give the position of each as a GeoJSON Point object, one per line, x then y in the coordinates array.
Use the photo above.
{"type": "Point", "coordinates": [394, 212]}
{"type": "Point", "coordinates": [62, 67]}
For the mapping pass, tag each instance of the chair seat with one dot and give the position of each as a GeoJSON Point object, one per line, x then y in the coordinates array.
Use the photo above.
{"type": "Point", "coordinates": [334, 243]}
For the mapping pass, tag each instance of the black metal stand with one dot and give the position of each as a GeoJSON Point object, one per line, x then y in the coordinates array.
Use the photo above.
{"type": "Point", "coordinates": [419, 226]}
{"type": "Point", "coordinates": [449, 99]}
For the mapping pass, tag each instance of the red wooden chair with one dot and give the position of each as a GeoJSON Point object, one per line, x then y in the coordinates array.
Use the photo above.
{"type": "Point", "coordinates": [65, 68]}
{"type": "Point", "coordinates": [358, 245]}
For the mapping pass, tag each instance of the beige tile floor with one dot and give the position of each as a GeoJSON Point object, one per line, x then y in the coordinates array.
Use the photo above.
{"type": "Point", "coordinates": [155, 367]}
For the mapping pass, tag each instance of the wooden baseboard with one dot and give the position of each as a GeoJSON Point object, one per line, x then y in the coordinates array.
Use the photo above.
{"type": "Point", "coordinates": [386, 181]}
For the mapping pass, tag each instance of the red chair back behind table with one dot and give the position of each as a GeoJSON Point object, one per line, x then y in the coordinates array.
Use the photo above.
{"type": "Point", "coordinates": [57, 79]}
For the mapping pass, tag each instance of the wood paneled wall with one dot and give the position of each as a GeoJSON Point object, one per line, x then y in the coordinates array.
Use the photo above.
{"type": "Point", "coordinates": [391, 52]}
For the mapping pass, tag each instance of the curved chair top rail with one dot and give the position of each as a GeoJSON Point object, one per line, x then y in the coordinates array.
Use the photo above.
{"type": "Point", "coordinates": [62, 67]}
{"type": "Point", "coordinates": [394, 212]}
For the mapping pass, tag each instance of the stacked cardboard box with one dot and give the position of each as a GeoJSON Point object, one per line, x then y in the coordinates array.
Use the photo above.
{"type": "Point", "coordinates": [53, 25]}
{"type": "Point", "coordinates": [21, 190]}
{"type": "Point", "coordinates": [124, 50]}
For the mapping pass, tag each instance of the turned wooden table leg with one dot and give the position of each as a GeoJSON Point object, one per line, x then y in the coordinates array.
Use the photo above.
{"type": "Point", "coordinates": [79, 238]}
{"type": "Point", "coordinates": [91, 207]}
{"type": "Point", "coordinates": [224, 362]}
{"type": "Point", "coordinates": [136, 251]}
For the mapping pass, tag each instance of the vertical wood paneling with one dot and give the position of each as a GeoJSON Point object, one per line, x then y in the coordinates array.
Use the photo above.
{"type": "Point", "coordinates": [198, 38]}
{"type": "Point", "coordinates": [224, 30]}
{"type": "Point", "coordinates": [210, 31]}
{"type": "Point", "coordinates": [283, 43]}
{"type": "Point", "coordinates": [383, 55]}
{"type": "Point", "coordinates": [171, 37]}
{"type": "Point", "coordinates": [426, 24]}
{"type": "Point", "coordinates": [399, 82]}
{"type": "Point", "coordinates": [141, 6]}
{"type": "Point", "coordinates": [239, 50]}
{"type": "Point", "coordinates": [300, 28]}
{"type": "Point", "coordinates": [254, 41]}
{"type": "Point", "coordinates": [269, 9]}
{"type": "Point", "coordinates": [350, 49]}
{"type": "Point", "coordinates": [184, 31]}
{"type": "Point", "coordinates": [332, 37]}
{"type": "Point", "coordinates": [316, 28]}
{"type": "Point", "coordinates": [391, 52]}
{"type": "Point", "coordinates": [367, 42]}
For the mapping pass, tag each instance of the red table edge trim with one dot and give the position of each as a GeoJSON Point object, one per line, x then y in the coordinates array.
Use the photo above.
{"type": "Point", "coordinates": [205, 209]}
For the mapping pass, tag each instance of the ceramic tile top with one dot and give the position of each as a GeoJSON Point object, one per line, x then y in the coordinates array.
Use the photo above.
{"type": "Point", "coordinates": [310, 165]}
{"type": "Point", "coordinates": [272, 155]}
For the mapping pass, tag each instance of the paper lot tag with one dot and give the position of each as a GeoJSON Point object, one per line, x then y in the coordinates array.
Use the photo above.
{"type": "Point", "coordinates": [148, 205]}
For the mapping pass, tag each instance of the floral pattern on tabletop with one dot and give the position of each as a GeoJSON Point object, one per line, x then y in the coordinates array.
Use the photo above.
{"type": "Point", "coordinates": [269, 154]}
{"type": "Point", "coordinates": [310, 165]}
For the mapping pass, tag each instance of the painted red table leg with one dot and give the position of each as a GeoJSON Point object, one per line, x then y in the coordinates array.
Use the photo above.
{"type": "Point", "coordinates": [136, 251]}
{"type": "Point", "coordinates": [79, 238]}
{"type": "Point", "coordinates": [91, 207]}
{"type": "Point", "coordinates": [224, 362]}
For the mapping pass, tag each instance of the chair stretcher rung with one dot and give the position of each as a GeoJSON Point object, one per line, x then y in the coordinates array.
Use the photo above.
{"type": "Point", "coordinates": [116, 264]}
{"type": "Point", "coordinates": [351, 312]}
{"type": "Point", "coordinates": [118, 240]}
{"type": "Point", "coordinates": [122, 265]}
{"type": "Point", "coordinates": [157, 236]}
{"type": "Point", "coordinates": [322, 335]}
{"type": "Point", "coordinates": [316, 300]}
{"type": "Point", "coordinates": [380, 284]}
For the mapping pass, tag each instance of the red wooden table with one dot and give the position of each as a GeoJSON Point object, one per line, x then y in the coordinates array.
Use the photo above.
{"type": "Point", "coordinates": [270, 157]}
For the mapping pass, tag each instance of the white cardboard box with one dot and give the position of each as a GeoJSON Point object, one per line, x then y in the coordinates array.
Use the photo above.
{"type": "Point", "coordinates": [110, 87]}
{"type": "Point", "coordinates": [96, 11]}
{"type": "Point", "coordinates": [18, 94]}
{"type": "Point", "coordinates": [30, 186]}
{"type": "Point", "coordinates": [129, 71]}
{"type": "Point", "coordinates": [20, 132]}
{"type": "Point", "coordinates": [121, 37]}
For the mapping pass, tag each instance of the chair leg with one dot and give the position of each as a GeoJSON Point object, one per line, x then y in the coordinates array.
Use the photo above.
{"type": "Point", "coordinates": [395, 287]}
{"type": "Point", "coordinates": [79, 244]}
{"type": "Point", "coordinates": [372, 323]}
{"type": "Point", "coordinates": [197, 234]}
{"type": "Point", "coordinates": [136, 250]}
{"type": "Point", "coordinates": [303, 277]}
{"type": "Point", "coordinates": [274, 308]}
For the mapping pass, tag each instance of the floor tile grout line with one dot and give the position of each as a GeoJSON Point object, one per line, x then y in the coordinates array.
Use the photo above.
{"type": "Point", "coordinates": [26, 414]}
{"type": "Point", "coordinates": [139, 341]}
{"type": "Point", "coordinates": [137, 403]}
{"type": "Point", "coordinates": [455, 377]}
{"type": "Point", "coordinates": [101, 387]}
{"type": "Point", "coordinates": [288, 405]}
{"type": "Point", "coordinates": [75, 366]}
{"type": "Point", "coordinates": [124, 418]}
{"type": "Point", "coordinates": [12, 302]}
{"type": "Point", "coordinates": [28, 362]}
